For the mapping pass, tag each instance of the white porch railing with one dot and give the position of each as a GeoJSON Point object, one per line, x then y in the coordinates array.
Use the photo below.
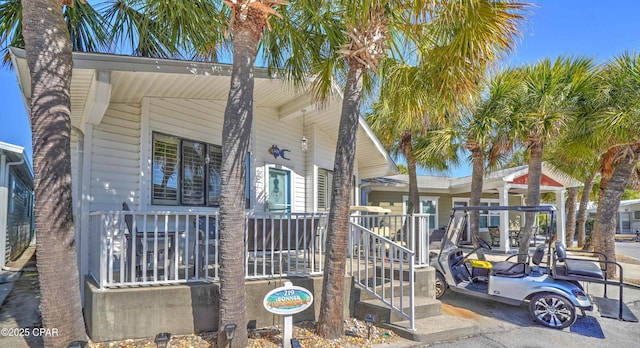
{"type": "Point", "coordinates": [384, 269]}
{"type": "Point", "coordinates": [410, 231]}
{"type": "Point", "coordinates": [176, 247]}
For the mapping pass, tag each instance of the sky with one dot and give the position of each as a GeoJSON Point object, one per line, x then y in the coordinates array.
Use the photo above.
{"type": "Point", "coordinates": [592, 28]}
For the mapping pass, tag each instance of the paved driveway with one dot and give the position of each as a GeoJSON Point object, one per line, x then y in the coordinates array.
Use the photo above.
{"type": "Point", "coordinates": [509, 326]}
{"type": "Point", "coordinates": [628, 249]}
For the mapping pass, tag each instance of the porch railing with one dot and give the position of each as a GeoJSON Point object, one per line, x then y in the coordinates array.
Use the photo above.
{"type": "Point", "coordinates": [384, 269]}
{"type": "Point", "coordinates": [137, 248]}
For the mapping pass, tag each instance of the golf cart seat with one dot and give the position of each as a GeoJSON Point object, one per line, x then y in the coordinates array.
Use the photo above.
{"type": "Point", "coordinates": [576, 267]}
{"type": "Point", "coordinates": [511, 269]}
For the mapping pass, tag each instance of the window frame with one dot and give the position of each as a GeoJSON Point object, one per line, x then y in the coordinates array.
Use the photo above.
{"type": "Point", "coordinates": [180, 172]}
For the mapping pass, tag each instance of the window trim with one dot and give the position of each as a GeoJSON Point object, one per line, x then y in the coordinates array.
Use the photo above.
{"type": "Point", "coordinates": [180, 173]}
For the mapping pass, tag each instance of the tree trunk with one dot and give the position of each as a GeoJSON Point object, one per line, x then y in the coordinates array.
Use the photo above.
{"type": "Point", "coordinates": [611, 190]}
{"type": "Point", "coordinates": [533, 196]}
{"type": "Point", "coordinates": [572, 201]}
{"type": "Point", "coordinates": [582, 210]}
{"type": "Point", "coordinates": [48, 51]}
{"type": "Point", "coordinates": [330, 319]}
{"type": "Point", "coordinates": [413, 206]}
{"type": "Point", "coordinates": [477, 177]}
{"type": "Point", "coordinates": [238, 117]}
{"type": "Point", "coordinates": [406, 147]}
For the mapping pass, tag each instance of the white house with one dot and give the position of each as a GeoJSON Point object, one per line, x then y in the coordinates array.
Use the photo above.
{"type": "Point", "coordinates": [147, 132]}
{"type": "Point", "coordinates": [628, 216]}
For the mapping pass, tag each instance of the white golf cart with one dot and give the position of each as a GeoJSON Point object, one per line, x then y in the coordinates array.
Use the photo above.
{"type": "Point", "coordinates": [551, 285]}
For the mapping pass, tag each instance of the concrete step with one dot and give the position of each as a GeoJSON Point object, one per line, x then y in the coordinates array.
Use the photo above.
{"type": "Point", "coordinates": [439, 328]}
{"type": "Point", "coordinates": [424, 307]}
{"type": "Point", "coordinates": [387, 288]}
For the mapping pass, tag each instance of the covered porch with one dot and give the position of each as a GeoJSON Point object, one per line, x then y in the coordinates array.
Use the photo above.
{"type": "Point", "coordinates": [153, 271]}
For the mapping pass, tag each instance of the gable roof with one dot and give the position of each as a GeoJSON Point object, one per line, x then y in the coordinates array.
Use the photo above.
{"type": "Point", "coordinates": [99, 79]}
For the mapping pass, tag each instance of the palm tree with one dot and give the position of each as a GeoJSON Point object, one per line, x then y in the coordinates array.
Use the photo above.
{"type": "Point", "coordinates": [488, 136]}
{"type": "Point", "coordinates": [48, 51]}
{"type": "Point", "coordinates": [618, 126]}
{"type": "Point", "coordinates": [577, 153]}
{"type": "Point", "coordinates": [548, 103]}
{"type": "Point", "coordinates": [248, 21]}
{"type": "Point", "coordinates": [49, 31]}
{"type": "Point", "coordinates": [449, 60]}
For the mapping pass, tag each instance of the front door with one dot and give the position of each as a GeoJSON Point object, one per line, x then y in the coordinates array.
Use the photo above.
{"type": "Point", "coordinates": [279, 190]}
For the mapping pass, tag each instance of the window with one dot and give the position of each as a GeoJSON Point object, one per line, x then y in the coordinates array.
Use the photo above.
{"type": "Point", "coordinates": [636, 215]}
{"type": "Point", "coordinates": [279, 190]}
{"type": "Point", "coordinates": [489, 217]}
{"type": "Point", "coordinates": [185, 172]}
{"type": "Point", "coordinates": [325, 180]}
{"type": "Point", "coordinates": [428, 205]}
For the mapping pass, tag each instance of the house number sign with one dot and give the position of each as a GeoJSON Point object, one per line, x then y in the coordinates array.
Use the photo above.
{"type": "Point", "coordinates": [288, 300]}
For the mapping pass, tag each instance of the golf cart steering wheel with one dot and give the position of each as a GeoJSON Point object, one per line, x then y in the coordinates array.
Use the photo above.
{"type": "Point", "coordinates": [483, 244]}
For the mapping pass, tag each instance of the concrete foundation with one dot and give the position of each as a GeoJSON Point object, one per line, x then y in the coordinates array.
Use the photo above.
{"type": "Point", "coordinates": [139, 312]}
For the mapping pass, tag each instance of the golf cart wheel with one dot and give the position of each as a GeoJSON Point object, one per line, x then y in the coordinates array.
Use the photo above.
{"type": "Point", "coordinates": [441, 285]}
{"type": "Point", "coordinates": [552, 310]}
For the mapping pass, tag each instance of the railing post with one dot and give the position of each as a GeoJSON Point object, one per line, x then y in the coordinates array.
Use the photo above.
{"type": "Point", "coordinates": [103, 252]}
{"type": "Point", "coordinates": [412, 311]}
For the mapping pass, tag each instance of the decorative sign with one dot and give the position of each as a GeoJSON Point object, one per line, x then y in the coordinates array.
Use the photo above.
{"type": "Point", "coordinates": [276, 152]}
{"type": "Point", "coordinates": [288, 300]}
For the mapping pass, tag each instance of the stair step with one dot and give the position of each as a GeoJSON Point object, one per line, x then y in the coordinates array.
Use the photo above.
{"type": "Point", "coordinates": [439, 328]}
{"type": "Point", "coordinates": [424, 307]}
{"type": "Point", "coordinates": [364, 295]}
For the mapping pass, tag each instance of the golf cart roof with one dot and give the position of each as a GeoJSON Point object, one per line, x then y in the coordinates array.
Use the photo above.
{"type": "Point", "coordinates": [523, 208]}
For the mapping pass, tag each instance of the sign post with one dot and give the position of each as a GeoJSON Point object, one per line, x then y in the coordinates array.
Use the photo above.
{"type": "Point", "coordinates": [287, 301]}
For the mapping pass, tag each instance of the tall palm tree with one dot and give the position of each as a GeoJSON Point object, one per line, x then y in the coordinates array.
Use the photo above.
{"type": "Point", "coordinates": [488, 136]}
{"type": "Point", "coordinates": [248, 22]}
{"type": "Point", "coordinates": [49, 31]}
{"type": "Point", "coordinates": [577, 152]}
{"type": "Point", "coordinates": [447, 56]}
{"type": "Point", "coordinates": [548, 103]}
{"type": "Point", "coordinates": [618, 126]}
{"type": "Point", "coordinates": [48, 51]}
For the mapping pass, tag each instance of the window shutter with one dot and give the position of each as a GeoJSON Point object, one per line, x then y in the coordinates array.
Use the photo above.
{"type": "Point", "coordinates": [193, 172]}
{"type": "Point", "coordinates": [165, 169]}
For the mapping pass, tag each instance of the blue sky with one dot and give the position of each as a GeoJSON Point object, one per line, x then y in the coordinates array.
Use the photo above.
{"type": "Point", "coordinates": [595, 28]}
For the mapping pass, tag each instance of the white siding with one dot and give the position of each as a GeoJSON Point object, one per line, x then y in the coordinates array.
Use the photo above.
{"type": "Point", "coordinates": [269, 130]}
{"type": "Point", "coordinates": [115, 158]}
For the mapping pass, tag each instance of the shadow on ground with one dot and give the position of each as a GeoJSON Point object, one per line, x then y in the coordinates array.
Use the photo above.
{"type": "Point", "coordinates": [20, 312]}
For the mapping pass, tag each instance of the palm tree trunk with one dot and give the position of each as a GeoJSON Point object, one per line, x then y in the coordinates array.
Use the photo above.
{"type": "Point", "coordinates": [533, 195]}
{"type": "Point", "coordinates": [611, 191]}
{"type": "Point", "coordinates": [572, 201]}
{"type": "Point", "coordinates": [406, 147]}
{"type": "Point", "coordinates": [330, 319]}
{"type": "Point", "coordinates": [582, 210]}
{"type": "Point", "coordinates": [48, 51]}
{"type": "Point", "coordinates": [413, 206]}
{"type": "Point", "coordinates": [477, 177]}
{"type": "Point", "coordinates": [238, 117]}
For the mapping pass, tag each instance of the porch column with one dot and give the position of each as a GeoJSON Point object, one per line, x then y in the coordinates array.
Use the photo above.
{"type": "Point", "coordinates": [503, 198]}
{"type": "Point", "coordinates": [560, 215]}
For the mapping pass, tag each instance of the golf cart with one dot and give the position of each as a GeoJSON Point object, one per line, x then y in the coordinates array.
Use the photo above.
{"type": "Point", "coordinates": [548, 280]}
